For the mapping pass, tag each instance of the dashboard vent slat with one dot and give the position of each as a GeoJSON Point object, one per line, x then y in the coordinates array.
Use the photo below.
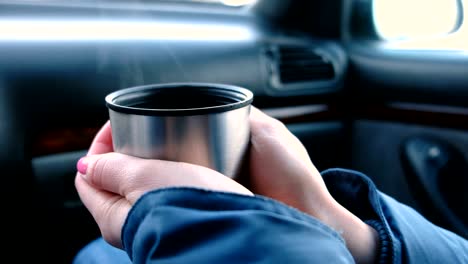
{"type": "Point", "coordinates": [303, 64]}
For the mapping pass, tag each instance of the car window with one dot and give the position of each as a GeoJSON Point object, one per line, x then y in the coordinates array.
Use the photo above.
{"type": "Point", "coordinates": [224, 2]}
{"type": "Point", "coordinates": [234, 3]}
{"type": "Point", "coordinates": [404, 19]}
{"type": "Point", "coordinates": [422, 24]}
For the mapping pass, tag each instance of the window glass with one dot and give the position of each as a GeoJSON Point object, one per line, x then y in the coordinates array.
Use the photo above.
{"type": "Point", "coordinates": [224, 2]}
{"type": "Point", "coordinates": [410, 19]}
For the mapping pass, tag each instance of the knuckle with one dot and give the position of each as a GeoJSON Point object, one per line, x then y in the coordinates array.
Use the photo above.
{"type": "Point", "coordinates": [99, 168]}
{"type": "Point", "coordinates": [136, 176]}
{"type": "Point", "coordinates": [268, 128]}
{"type": "Point", "coordinates": [95, 170]}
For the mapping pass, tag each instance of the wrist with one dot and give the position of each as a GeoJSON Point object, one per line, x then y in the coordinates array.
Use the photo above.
{"type": "Point", "coordinates": [361, 239]}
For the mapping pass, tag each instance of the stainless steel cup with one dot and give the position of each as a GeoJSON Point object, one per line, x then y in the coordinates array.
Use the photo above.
{"type": "Point", "coordinates": [199, 123]}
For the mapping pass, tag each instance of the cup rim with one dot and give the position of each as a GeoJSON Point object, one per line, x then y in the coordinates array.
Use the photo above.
{"type": "Point", "coordinates": [245, 93]}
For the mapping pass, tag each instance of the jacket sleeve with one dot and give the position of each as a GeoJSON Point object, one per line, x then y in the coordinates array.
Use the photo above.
{"type": "Point", "coordinates": [405, 235]}
{"type": "Point", "coordinates": [186, 225]}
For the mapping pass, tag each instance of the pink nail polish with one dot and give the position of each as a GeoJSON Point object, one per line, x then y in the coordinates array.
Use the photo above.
{"type": "Point", "coordinates": [82, 165]}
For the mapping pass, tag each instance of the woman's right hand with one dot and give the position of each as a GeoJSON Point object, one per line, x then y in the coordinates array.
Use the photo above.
{"type": "Point", "coordinates": [110, 183]}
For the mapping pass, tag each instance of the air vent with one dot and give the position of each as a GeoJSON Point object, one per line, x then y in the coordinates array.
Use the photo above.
{"type": "Point", "coordinates": [302, 64]}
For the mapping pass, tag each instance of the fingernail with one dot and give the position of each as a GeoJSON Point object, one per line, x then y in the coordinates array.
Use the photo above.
{"type": "Point", "coordinates": [82, 165]}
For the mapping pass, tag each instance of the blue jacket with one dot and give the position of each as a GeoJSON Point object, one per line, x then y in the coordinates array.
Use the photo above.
{"type": "Point", "coordinates": [184, 225]}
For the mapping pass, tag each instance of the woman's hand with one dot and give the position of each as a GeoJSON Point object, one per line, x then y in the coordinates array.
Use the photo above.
{"type": "Point", "coordinates": [280, 168]}
{"type": "Point", "coordinates": [110, 183]}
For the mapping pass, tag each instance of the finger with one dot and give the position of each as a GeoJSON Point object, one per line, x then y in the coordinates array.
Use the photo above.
{"type": "Point", "coordinates": [102, 142]}
{"type": "Point", "coordinates": [108, 210]}
{"type": "Point", "coordinates": [264, 126]}
{"type": "Point", "coordinates": [260, 118]}
{"type": "Point", "coordinates": [131, 177]}
{"type": "Point", "coordinates": [271, 135]}
{"type": "Point", "coordinates": [111, 172]}
{"type": "Point", "coordinates": [257, 114]}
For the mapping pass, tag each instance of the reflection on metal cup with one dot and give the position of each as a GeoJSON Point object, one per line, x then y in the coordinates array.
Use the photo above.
{"type": "Point", "coordinates": [199, 123]}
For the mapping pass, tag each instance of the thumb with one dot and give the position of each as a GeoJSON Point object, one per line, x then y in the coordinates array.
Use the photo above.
{"type": "Point", "coordinates": [131, 177]}
{"type": "Point", "coordinates": [110, 172]}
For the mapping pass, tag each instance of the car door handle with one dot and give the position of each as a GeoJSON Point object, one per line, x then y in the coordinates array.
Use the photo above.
{"type": "Point", "coordinates": [437, 174]}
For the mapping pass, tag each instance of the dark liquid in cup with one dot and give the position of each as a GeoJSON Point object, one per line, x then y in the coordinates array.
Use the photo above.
{"type": "Point", "coordinates": [179, 98]}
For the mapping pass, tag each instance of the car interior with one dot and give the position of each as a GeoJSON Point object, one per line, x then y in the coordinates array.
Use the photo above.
{"type": "Point", "coordinates": [378, 86]}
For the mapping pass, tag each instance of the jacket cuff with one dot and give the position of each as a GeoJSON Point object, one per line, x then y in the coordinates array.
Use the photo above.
{"type": "Point", "coordinates": [385, 243]}
{"type": "Point", "coordinates": [357, 193]}
{"type": "Point", "coordinates": [210, 201]}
